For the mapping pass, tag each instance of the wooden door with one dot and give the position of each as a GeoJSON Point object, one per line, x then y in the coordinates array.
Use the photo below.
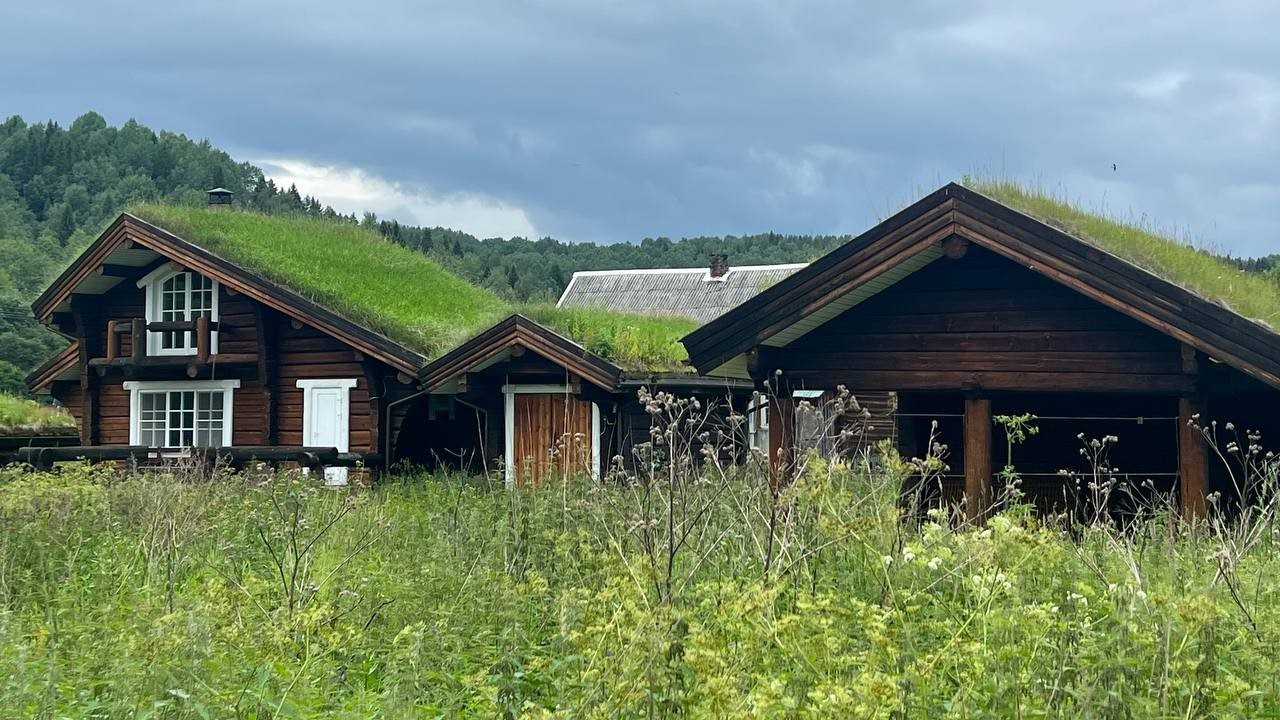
{"type": "Point", "coordinates": [552, 437]}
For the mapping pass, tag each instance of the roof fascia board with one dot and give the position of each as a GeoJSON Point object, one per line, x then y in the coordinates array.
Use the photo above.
{"type": "Point", "coordinates": [519, 330]}
{"type": "Point", "coordinates": [800, 296]}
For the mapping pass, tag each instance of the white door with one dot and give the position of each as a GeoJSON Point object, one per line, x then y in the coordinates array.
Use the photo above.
{"type": "Point", "coordinates": [325, 423]}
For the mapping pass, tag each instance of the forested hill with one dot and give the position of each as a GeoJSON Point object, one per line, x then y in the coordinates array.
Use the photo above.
{"type": "Point", "coordinates": [539, 269]}
{"type": "Point", "coordinates": [59, 186]}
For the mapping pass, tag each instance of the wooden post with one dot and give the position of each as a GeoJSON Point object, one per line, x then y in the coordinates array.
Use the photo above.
{"type": "Point", "coordinates": [204, 339]}
{"type": "Point", "coordinates": [977, 458]}
{"type": "Point", "coordinates": [113, 340]}
{"type": "Point", "coordinates": [1193, 457]}
{"type": "Point", "coordinates": [138, 339]}
{"type": "Point", "coordinates": [782, 418]}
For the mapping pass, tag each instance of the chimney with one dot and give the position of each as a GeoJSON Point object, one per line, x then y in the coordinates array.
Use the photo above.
{"type": "Point", "coordinates": [719, 266]}
{"type": "Point", "coordinates": [219, 197]}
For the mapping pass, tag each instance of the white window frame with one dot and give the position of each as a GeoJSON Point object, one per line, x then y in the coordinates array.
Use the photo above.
{"type": "Point", "coordinates": [137, 387]}
{"type": "Point", "coordinates": [332, 475]}
{"type": "Point", "coordinates": [757, 423]}
{"type": "Point", "coordinates": [152, 283]}
{"type": "Point", "coordinates": [509, 393]}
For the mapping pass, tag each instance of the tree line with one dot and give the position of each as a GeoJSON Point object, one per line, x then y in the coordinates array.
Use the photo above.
{"type": "Point", "coordinates": [60, 186]}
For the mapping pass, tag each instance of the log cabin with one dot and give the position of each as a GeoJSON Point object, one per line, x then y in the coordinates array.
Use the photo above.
{"type": "Point", "coordinates": [975, 310]}
{"type": "Point", "coordinates": [277, 338]}
{"type": "Point", "coordinates": [508, 376]}
{"type": "Point", "coordinates": [178, 344]}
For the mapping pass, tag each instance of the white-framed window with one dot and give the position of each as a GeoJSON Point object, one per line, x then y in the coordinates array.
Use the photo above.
{"type": "Point", "coordinates": [178, 296]}
{"type": "Point", "coordinates": [758, 424]}
{"type": "Point", "coordinates": [181, 414]}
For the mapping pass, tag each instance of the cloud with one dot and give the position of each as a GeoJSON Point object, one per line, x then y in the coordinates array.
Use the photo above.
{"type": "Point", "coordinates": [616, 121]}
{"type": "Point", "coordinates": [352, 190]}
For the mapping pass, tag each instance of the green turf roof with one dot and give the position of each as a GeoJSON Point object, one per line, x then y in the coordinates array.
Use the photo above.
{"type": "Point", "coordinates": [21, 416]}
{"type": "Point", "coordinates": [401, 293]}
{"type": "Point", "coordinates": [1248, 294]}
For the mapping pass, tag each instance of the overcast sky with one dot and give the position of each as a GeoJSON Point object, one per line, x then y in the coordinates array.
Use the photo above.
{"type": "Point", "coordinates": [607, 121]}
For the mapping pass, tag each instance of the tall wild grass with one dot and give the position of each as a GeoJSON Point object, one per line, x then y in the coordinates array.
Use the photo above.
{"type": "Point", "coordinates": [679, 586]}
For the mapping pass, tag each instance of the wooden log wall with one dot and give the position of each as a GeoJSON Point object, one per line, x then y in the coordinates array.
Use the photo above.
{"type": "Point", "coordinates": [981, 321]}
{"type": "Point", "coordinates": [268, 404]}
{"type": "Point", "coordinates": [303, 352]}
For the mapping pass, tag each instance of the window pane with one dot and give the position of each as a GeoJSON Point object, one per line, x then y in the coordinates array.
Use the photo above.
{"type": "Point", "coordinates": [151, 420]}
{"type": "Point", "coordinates": [182, 405]}
{"type": "Point", "coordinates": [209, 418]}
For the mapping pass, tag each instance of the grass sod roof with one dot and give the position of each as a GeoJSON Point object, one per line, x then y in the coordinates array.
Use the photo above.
{"type": "Point", "coordinates": [401, 293]}
{"type": "Point", "coordinates": [21, 416]}
{"type": "Point", "coordinates": [1251, 295]}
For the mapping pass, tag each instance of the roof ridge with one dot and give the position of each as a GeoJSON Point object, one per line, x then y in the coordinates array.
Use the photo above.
{"type": "Point", "coordinates": [657, 271]}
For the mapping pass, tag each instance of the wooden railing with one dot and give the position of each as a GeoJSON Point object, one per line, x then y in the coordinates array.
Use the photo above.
{"type": "Point", "coordinates": [237, 456]}
{"type": "Point", "coordinates": [137, 329]}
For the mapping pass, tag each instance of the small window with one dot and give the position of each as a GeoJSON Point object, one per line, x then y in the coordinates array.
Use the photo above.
{"type": "Point", "coordinates": [440, 407]}
{"type": "Point", "coordinates": [179, 297]}
{"type": "Point", "coordinates": [758, 424]}
{"type": "Point", "coordinates": [181, 415]}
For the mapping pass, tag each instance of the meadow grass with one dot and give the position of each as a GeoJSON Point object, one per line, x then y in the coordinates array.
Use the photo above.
{"type": "Point", "coordinates": [179, 596]}
{"type": "Point", "coordinates": [1145, 244]}
{"type": "Point", "coordinates": [19, 415]}
{"type": "Point", "coordinates": [398, 292]}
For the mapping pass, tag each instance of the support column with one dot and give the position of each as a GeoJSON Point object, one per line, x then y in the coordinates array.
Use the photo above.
{"type": "Point", "coordinates": [977, 458]}
{"type": "Point", "coordinates": [782, 418]}
{"type": "Point", "coordinates": [1193, 457]}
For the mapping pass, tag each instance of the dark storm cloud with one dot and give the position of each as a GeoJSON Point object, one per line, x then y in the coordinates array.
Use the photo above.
{"type": "Point", "coordinates": [614, 121]}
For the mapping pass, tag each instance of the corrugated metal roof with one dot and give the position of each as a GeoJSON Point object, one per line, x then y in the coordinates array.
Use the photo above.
{"type": "Point", "coordinates": [687, 292]}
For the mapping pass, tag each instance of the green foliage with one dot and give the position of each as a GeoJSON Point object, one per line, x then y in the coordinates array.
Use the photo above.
{"type": "Point", "coordinates": [19, 414]}
{"type": "Point", "coordinates": [60, 185]}
{"type": "Point", "coordinates": [393, 290]}
{"type": "Point", "coordinates": [528, 270]}
{"type": "Point", "coordinates": [1142, 242]}
{"type": "Point", "coordinates": [646, 342]}
{"type": "Point", "coordinates": [164, 595]}
{"type": "Point", "coordinates": [399, 292]}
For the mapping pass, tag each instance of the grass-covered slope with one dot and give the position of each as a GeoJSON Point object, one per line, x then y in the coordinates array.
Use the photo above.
{"type": "Point", "coordinates": [20, 416]}
{"type": "Point", "coordinates": [1254, 296]}
{"type": "Point", "coordinates": [399, 292]}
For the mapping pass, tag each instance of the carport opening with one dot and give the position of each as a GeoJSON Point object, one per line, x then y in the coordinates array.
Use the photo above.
{"type": "Point", "coordinates": [1081, 453]}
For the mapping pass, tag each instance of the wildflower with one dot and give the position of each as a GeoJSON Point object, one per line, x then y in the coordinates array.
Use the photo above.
{"type": "Point", "coordinates": [908, 555]}
{"type": "Point", "coordinates": [888, 560]}
{"type": "Point", "coordinates": [935, 563]}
